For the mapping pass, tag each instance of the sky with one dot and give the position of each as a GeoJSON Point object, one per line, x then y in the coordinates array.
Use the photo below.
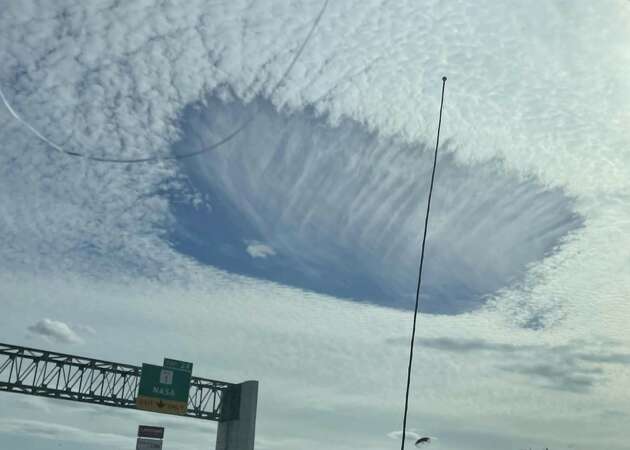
{"type": "Point", "coordinates": [284, 246]}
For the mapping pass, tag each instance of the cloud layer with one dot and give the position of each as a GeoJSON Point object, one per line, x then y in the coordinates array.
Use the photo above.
{"type": "Point", "coordinates": [575, 367]}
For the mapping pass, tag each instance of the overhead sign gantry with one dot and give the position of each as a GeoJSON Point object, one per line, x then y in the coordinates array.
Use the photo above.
{"type": "Point", "coordinates": [170, 388]}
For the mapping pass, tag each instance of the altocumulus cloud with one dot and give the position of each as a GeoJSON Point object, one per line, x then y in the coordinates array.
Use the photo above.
{"type": "Point", "coordinates": [357, 135]}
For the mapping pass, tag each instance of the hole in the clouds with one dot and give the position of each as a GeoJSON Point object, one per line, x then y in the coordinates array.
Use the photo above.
{"type": "Point", "coordinates": [339, 210]}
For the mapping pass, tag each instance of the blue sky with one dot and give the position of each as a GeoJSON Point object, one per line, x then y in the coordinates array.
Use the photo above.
{"type": "Point", "coordinates": [288, 254]}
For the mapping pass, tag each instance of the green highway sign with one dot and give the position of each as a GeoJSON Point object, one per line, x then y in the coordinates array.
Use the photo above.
{"type": "Point", "coordinates": [163, 389]}
{"type": "Point", "coordinates": [177, 365]}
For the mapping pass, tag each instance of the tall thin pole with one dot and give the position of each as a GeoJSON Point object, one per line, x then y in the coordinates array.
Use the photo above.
{"type": "Point", "coordinates": [424, 240]}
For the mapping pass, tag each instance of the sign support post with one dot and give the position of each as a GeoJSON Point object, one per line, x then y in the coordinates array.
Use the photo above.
{"type": "Point", "coordinates": [239, 434]}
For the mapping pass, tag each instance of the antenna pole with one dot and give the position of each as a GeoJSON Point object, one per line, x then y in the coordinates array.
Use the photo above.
{"type": "Point", "coordinates": [424, 240]}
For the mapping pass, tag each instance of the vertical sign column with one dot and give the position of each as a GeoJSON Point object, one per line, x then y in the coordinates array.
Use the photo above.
{"type": "Point", "coordinates": [237, 427]}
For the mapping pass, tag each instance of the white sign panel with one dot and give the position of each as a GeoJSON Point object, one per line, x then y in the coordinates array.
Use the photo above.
{"type": "Point", "coordinates": [148, 444]}
{"type": "Point", "coordinates": [166, 377]}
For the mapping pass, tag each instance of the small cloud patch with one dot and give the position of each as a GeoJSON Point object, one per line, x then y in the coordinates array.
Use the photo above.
{"type": "Point", "coordinates": [55, 331]}
{"type": "Point", "coordinates": [259, 250]}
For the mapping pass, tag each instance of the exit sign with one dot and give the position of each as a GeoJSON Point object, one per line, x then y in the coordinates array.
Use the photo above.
{"type": "Point", "coordinates": [163, 389]}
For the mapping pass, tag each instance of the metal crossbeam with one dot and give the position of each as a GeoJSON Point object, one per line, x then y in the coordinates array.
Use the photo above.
{"type": "Point", "coordinates": [57, 375]}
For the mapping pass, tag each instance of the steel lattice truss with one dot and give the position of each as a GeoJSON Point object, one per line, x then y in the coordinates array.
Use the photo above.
{"type": "Point", "coordinates": [49, 374]}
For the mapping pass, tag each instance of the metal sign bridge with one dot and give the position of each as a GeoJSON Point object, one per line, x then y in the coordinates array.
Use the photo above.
{"type": "Point", "coordinates": [56, 375]}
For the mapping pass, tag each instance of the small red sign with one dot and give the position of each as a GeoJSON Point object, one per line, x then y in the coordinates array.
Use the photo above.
{"type": "Point", "coordinates": [150, 432]}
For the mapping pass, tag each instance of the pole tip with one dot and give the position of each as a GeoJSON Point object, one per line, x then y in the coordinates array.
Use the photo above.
{"type": "Point", "coordinates": [443, 78]}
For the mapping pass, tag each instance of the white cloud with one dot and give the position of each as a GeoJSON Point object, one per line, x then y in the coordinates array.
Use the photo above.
{"type": "Point", "coordinates": [56, 331]}
{"type": "Point", "coordinates": [259, 250]}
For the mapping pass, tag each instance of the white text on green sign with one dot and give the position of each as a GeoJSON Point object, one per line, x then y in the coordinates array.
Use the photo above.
{"type": "Point", "coordinates": [177, 365]}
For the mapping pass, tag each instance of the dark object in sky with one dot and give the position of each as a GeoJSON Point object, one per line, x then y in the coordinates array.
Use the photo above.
{"type": "Point", "coordinates": [423, 441]}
